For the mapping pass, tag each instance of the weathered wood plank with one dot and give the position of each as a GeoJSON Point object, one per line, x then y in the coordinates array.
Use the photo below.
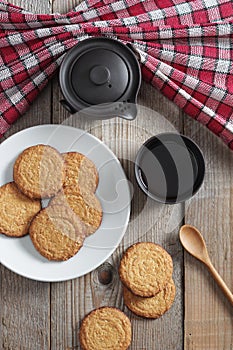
{"type": "Point", "coordinates": [153, 223]}
{"type": "Point", "coordinates": [65, 303]}
{"type": "Point", "coordinates": [124, 138]}
{"type": "Point", "coordinates": [25, 304]}
{"type": "Point", "coordinates": [208, 315]}
{"type": "Point", "coordinates": [24, 313]}
{"type": "Point", "coordinates": [148, 222]}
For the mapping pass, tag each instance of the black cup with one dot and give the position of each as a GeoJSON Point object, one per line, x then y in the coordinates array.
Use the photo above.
{"type": "Point", "coordinates": [169, 168]}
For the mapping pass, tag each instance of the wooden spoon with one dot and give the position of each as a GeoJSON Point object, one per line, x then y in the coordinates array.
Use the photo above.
{"type": "Point", "coordinates": [194, 243]}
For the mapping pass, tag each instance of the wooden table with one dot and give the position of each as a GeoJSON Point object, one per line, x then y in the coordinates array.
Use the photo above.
{"type": "Point", "coordinates": [37, 315]}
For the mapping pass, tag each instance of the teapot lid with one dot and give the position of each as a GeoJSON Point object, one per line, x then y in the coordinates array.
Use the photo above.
{"type": "Point", "coordinates": [99, 71]}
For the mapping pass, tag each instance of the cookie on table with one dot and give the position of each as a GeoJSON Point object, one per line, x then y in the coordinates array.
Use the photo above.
{"type": "Point", "coordinates": [145, 269]}
{"type": "Point", "coordinates": [16, 211]}
{"type": "Point", "coordinates": [105, 328]}
{"type": "Point", "coordinates": [80, 171]}
{"type": "Point", "coordinates": [57, 233]}
{"type": "Point", "coordinates": [85, 205]}
{"type": "Point", "coordinates": [39, 171]}
{"type": "Point", "coordinates": [152, 307]}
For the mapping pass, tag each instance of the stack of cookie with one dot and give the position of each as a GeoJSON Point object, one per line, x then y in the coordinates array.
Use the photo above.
{"type": "Point", "coordinates": [146, 273]}
{"type": "Point", "coordinates": [69, 180]}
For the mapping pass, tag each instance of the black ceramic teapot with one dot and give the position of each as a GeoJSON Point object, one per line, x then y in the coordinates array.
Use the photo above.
{"type": "Point", "coordinates": [101, 77]}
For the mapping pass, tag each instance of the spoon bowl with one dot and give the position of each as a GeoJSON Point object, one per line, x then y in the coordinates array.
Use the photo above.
{"type": "Point", "coordinates": [194, 243]}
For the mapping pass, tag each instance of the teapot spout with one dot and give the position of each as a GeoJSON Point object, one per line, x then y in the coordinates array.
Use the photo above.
{"type": "Point", "coordinates": [129, 112]}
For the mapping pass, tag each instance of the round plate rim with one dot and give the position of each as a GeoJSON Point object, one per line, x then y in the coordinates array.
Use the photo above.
{"type": "Point", "coordinates": [110, 251]}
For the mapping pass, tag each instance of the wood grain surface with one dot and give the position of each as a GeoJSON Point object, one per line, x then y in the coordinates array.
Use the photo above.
{"type": "Point", "coordinates": [208, 315]}
{"type": "Point", "coordinates": [41, 316]}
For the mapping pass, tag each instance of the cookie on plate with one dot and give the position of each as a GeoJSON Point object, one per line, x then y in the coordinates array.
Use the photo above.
{"type": "Point", "coordinates": [152, 307]}
{"type": "Point", "coordinates": [16, 211]}
{"type": "Point", "coordinates": [57, 233]}
{"type": "Point", "coordinates": [39, 171]}
{"type": "Point", "coordinates": [80, 171]}
{"type": "Point", "coordinates": [145, 269]}
{"type": "Point", "coordinates": [105, 328]}
{"type": "Point", "coordinates": [85, 205]}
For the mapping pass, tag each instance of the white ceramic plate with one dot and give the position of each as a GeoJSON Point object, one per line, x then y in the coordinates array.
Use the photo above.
{"type": "Point", "coordinates": [19, 254]}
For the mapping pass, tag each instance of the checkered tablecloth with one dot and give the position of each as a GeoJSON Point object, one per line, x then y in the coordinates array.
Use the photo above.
{"type": "Point", "coordinates": [186, 50]}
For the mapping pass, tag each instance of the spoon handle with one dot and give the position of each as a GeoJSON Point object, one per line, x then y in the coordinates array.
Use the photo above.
{"type": "Point", "coordinates": [220, 282]}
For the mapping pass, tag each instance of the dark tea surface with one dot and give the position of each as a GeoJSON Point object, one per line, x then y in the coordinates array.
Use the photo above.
{"type": "Point", "coordinates": [167, 168]}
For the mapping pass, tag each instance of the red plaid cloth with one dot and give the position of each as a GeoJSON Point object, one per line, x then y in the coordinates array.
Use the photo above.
{"type": "Point", "coordinates": [186, 51]}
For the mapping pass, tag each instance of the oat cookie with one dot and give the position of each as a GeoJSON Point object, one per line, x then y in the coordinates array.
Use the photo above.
{"type": "Point", "coordinates": [105, 328]}
{"type": "Point", "coordinates": [145, 269]}
{"type": "Point", "coordinates": [152, 307]}
{"type": "Point", "coordinates": [39, 171]}
{"type": "Point", "coordinates": [16, 211]}
{"type": "Point", "coordinates": [86, 206]}
{"type": "Point", "coordinates": [80, 171]}
{"type": "Point", "coordinates": [57, 233]}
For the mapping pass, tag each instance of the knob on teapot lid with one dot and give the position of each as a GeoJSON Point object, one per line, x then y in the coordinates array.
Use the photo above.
{"type": "Point", "coordinates": [100, 71]}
